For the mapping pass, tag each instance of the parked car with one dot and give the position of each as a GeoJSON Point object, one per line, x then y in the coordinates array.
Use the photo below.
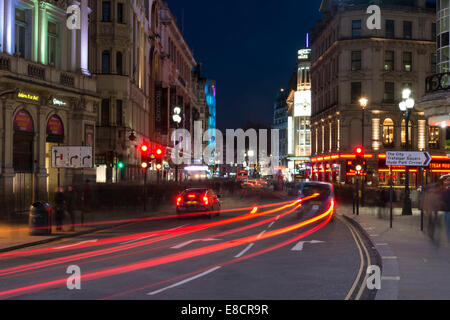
{"type": "Point", "coordinates": [315, 205]}
{"type": "Point", "coordinates": [201, 200]}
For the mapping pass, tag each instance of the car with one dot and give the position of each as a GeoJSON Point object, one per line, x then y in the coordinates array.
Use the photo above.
{"type": "Point", "coordinates": [199, 200]}
{"type": "Point", "coordinates": [315, 205]}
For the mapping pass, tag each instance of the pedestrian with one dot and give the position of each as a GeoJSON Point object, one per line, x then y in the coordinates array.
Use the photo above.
{"type": "Point", "coordinates": [70, 203]}
{"type": "Point", "coordinates": [59, 208]}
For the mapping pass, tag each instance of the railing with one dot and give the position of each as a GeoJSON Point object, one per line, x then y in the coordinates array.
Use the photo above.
{"type": "Point", "coordinates": [437, 82]}
{"type": "Point", "coordinates": [36, 72]}
{"type": "Point", "coordinates": [4, 63]}
{"type": "Point", "coordinates": [67, 80]}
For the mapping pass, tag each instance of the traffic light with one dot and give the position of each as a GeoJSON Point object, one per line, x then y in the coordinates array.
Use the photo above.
{"type": "Point", "coordinates": [145, 150]}
{"type": "Point", "coordinates": [120, 165]}
{"type": "Point", "coordinates": [159, 153]}
{"type": "Point", "coordinates": [359, 164]}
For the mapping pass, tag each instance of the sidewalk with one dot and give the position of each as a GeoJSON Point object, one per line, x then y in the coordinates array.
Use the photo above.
{"type": "Point", "coordinates": [16, 236]}
{"type": "Point", "coordinates": [415, 265]}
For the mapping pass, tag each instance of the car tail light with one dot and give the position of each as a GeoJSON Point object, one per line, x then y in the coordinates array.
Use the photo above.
{"type": "Point", "coordinates": [205, 200]}
{"type": "Point", "coordinates": [179, 200]}
{"type": "Point", "coordinates": [192, 196]}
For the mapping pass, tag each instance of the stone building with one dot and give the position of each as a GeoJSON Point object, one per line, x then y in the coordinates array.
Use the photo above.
{"type": "Point", "coordinates": [351, 61]}
{"type": "Point", "coordinates": [47, 98]}
{"type": "Point", "coordinates": [124, 57]}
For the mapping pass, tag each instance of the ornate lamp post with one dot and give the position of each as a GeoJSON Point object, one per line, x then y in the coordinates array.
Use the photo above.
{"type": "Point", "coordinates": [363, 102]}
{"type": "Point", "coordinates": [407, 106]}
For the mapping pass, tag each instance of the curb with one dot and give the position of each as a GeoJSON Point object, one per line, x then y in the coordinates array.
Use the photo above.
{"type": "Point", "coordinates": [388, 262]}
{"type": "Point", "coordinates": [375, 256]}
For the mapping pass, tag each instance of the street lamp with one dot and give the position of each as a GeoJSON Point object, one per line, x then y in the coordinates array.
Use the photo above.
{"type": "Point", "coordinates": [363, 102]}
{"type": "Point", "coordinates": [407, 106]}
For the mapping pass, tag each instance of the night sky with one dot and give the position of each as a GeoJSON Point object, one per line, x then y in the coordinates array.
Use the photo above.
{"type": "Point", "coordinates": [249, 47]}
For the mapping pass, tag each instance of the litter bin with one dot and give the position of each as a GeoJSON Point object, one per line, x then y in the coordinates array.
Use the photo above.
{"type": "Point", "coordinates": [40, 219]}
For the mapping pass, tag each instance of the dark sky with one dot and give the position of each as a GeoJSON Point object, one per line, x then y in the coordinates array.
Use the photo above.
{"type": "Point", "coordinates": [249, 47]}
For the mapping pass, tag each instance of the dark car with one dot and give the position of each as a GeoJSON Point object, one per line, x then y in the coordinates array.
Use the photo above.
{"type": "Point", "coordinates": [318, 204]}
{"type": "Point", "coordinates": [198, 200]}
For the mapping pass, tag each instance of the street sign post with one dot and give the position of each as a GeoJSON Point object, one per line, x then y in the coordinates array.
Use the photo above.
{"type": "Point", "coordinates": [408, 158]}
{"type": "Point", "coordinates": [72, 157]}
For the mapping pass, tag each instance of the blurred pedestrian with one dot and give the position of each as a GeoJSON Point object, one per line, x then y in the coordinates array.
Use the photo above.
{"type": "Point", "coordinates": [70, 203]}
{"type": "Point", "coordinates": [59, 208]}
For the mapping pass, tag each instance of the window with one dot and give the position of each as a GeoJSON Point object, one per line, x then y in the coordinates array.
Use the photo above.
{"type": "Point", "coordinates": [388, 132]}
{"type": "Point", "coordinates": [119, 113]}
{"type": "Point", "coordinates": [20, 33]}
{"type": "Point", "coordinates": [407, 61]}
{"type": "Point", "coordinates": [119, 63]}
{"type": "Point", "coordinates": [356, 92]}
{"type": "Point", "coordinates": [433, 137]}
{"type": "Point", "coordinates": [356, 60]}
{"type": "Point", "coordinates": [433, 63]}
{"type": "Point", "coordinates": [356, 28]}
{"type": "Point", "coordinates": [403, 135]}
{"type": "Point", "coordinates": [389, 60]}
{"type": "Point", "coordinates": [433, 32]}
{"type": "Point", "coordinates": [389, 92]}
{"type": "Point", "coordinates": [120, 13]}
{"type": "Point", "coordinates": [106, 62]}
{"type": "Point", "coordinates": [407, 29]}
{"type": "Point", "coordinates": [106, 11]}
{"type": "Point", "coordinates": [390, 29]}
{"type": "Point", "coordinates": [52, 43]}
{"type": "Point", "coordinates": [105, 113]}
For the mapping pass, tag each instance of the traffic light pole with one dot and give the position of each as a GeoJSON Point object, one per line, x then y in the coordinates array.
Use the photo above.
{"type": "Point", "coordinates": [357, 194]}
{"type": "Point", "coordinates": [145, 189]}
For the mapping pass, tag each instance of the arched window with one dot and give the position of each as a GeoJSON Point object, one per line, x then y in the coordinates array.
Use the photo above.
{"type": "Point", "coordinates": [388, 132]}
{"type": "Point", "coordinates": [409, 133]}
{"type": "Point", "coordinates": [119, 63]}
{"type": "Point", "coordinates": [106, 62]}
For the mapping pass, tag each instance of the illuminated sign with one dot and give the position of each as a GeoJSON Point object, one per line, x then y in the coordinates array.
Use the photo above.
{"type": "Point", "coordinates": [302, 103]}
{"type": "Point", "coordinates": [58, 102]}
{"type": "Point", "coordinates": [27, 96]}
{"type": "Point", "coordinates": [304, 54]}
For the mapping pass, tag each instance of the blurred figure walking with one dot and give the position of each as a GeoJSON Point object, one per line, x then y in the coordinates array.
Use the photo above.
{"type": "Point", "coordinates": [60, 208]}
{"type": "Point", "coordinates": [71, 202]}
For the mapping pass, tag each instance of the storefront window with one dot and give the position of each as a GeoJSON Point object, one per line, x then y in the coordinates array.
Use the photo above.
{"type": "Point", "coordinates": [388, 132]}
{"type": "Point", "coordinates": [433, 137]}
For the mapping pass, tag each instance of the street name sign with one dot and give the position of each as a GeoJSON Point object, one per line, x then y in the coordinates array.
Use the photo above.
{"type": "Point", "coordinates": [72, 157]}
{"type": "Point", "coordinates": [408, 158]}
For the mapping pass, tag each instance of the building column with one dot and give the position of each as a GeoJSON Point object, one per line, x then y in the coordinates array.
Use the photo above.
{"type": "Point", "coordinates": [40, 186]}
{"type": "Point", "coordinates": [84, 38]}
{"type": "Point", "coordinates": [9, 21]}
{"type": "Point", "coordinates": [7, 173]}
{"type": "Point", "coordinates": [43, 26]}
{"type": "Point", "coordinates": [2, 24]}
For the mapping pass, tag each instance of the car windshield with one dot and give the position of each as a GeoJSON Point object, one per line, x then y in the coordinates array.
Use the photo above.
{"type": "Point", "coordinates": [196, 192]}
{"type": "Point", "coordinates": [310, 189]}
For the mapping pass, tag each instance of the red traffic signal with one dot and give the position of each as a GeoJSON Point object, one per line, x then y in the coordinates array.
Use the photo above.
{"type": "Point", "coordinates": [159, 152]}
{"type": "Point", "coordinates": [359, 151]}
{"type": "Point", "coordinates": [144, 149]}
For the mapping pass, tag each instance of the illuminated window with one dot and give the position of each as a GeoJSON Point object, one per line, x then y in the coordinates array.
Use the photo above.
{"type": "Point", "coordinates": [389, 60]}
{"type": "Point", "coordinates": [388, 132]}
{"type": "Point", "coordinates": [407, 61]}
{"type": "Point", "coordinates": [433, 137]}
{"type": "Point", "coordinates": [403, 133]}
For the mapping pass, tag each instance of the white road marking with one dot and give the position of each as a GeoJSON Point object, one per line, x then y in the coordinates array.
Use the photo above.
{"type": "Point", "coordinates": [184, 244]}
{"type": "Point", "coordinates": [270, 225]}
{"type": "Point", "coordinates": [184, 281]}
{"type": "Point", "coordinates": [388, 258]}
{"type": "Point", "coordinates": [75, 244]}
{"type": "Point", "coordinates": [135, 240]}
{"type": "Point", "coordinates": [299, 246]}
{"type": "Point", "coordinates": [244, 251]}
{"type": "Point", "coordinates": [261, 234]}
{"type": "Point", "coordinates": [381, 244]}
{"type": "Point", "coordinates": [390, 278]}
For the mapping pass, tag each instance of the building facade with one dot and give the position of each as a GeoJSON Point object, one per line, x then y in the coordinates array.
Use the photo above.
{"type": "Point", "coordinates": [280, 123]}
{"type": "Point", "coordinates": [299, 119]}
{"type": "Point", "coordinates": [122, 54]}
{"type": "Point", "coordinates": [47, 98]}
{"type": "Point", "coordinates": [351, 61]}
{"type": "Point", "coordinates": [436, 102]}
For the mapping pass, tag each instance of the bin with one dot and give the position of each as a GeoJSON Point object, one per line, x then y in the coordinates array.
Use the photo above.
{"type": "Point", "coordinates": [40, 219]}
